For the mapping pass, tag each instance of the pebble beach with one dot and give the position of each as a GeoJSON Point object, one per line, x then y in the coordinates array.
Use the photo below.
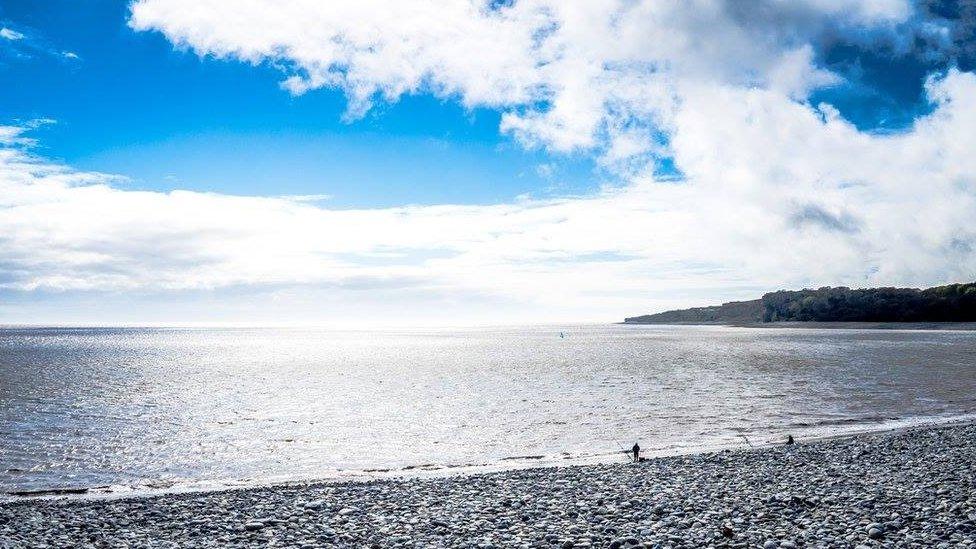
{"type": "Point", "coordinates": [908, 488]}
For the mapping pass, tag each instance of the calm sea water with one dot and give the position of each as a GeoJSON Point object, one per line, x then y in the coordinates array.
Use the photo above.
{"type": "Point", "coordinates": [157, 408]}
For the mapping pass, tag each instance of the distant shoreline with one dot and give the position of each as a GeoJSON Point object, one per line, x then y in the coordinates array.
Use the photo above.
{"type": "Point", "coordinates": [961, 326]}
{"type": "Point", "coordinates": [939, 307]}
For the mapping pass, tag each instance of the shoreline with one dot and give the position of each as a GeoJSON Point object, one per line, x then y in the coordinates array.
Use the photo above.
{"type": "Point", "coordinates": [909, 485]}
{"type": "Point", "coordinates": [809, 434]}
{"type": "Point", "coordinates": [826, 325]}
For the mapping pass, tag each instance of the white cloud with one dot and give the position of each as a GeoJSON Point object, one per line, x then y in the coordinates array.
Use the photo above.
{"type": "Point", "coordinates": [595, 75]}
{"type": "Point", "coordinates": [10, 34]}
{"type": "Point", "coordinates": [25, 47]}
{"type": "Point", "coordinates": [777, 194]}
{"type": "Point", "coordinates": [306, 197]}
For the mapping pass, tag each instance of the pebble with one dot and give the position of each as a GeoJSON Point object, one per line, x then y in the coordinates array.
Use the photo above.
{"type": "Point", "coordinates": [315, 504]}
{"type": "Point", "coordinates": [917, 488]}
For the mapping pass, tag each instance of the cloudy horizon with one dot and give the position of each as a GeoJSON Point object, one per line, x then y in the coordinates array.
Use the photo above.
{"type": "Point", "coordinates": [541, 161]}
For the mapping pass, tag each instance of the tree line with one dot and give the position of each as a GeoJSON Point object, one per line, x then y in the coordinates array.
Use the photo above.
{"type": "Point", "coordinates": [951, 303]}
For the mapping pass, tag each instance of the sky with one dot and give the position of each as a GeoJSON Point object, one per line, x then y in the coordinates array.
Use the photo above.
{"type": "Point", "coordinates": [475, 162]}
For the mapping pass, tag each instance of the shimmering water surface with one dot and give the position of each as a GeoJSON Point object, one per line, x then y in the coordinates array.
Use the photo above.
{"type": "Point", "coordinates": [156, 408]}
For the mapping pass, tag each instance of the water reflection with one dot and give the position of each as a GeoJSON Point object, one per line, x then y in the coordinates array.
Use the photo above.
{"type": "Point", "coordinates": [159, 406]}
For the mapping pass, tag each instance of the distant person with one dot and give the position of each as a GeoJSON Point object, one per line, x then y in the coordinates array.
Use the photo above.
{"type": "Point", "coordinates": [636, 452]}
{"type": "Point", "coordinates": [789, 440]}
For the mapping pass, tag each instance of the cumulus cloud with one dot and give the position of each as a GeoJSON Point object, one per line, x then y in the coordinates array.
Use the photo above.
{"type": "Point", "coordinates": [68, 230]}
{"type": "Point", "coordinates": [606, 75]}
{"type": "Point", "coordinates": [774, 191]}
{"type": "Point", "coordinates": [776, 194]}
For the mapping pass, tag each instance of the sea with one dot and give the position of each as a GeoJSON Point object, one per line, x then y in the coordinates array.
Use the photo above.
{"type": "Point", "coordinates": [133, 410]}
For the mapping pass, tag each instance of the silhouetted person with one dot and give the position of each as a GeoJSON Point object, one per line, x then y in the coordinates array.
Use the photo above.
{"type": "Point", "coordinates": [789, 439]}
{"type": "Point", "coordinates": [636, 451]}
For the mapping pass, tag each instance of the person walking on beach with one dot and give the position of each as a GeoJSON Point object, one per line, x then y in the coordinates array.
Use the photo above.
{"type": "Point", "coordinates": [636, 451]}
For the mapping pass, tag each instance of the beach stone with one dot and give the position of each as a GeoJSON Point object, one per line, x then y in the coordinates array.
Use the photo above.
{"type": "Point", "coordinates": [819, 494]}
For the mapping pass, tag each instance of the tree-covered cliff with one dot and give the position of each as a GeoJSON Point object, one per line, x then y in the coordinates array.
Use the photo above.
{"type": "Point", "coordinates": [951, 303]}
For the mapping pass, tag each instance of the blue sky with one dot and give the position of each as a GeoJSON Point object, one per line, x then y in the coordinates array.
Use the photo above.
{"type": "Point", "coordinates": [480, 162]}
{"type": "Point", "coordinates": [168, 118]}
{"type": "Point", "coordinates": [131, 104]}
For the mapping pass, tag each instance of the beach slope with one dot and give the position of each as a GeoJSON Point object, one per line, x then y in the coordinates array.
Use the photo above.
{"type": "Point", "coordinates": [913, 487]}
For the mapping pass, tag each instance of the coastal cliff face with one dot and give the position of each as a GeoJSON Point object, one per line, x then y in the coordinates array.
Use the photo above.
{"type": "Point", "coordinates": [951, 303]}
